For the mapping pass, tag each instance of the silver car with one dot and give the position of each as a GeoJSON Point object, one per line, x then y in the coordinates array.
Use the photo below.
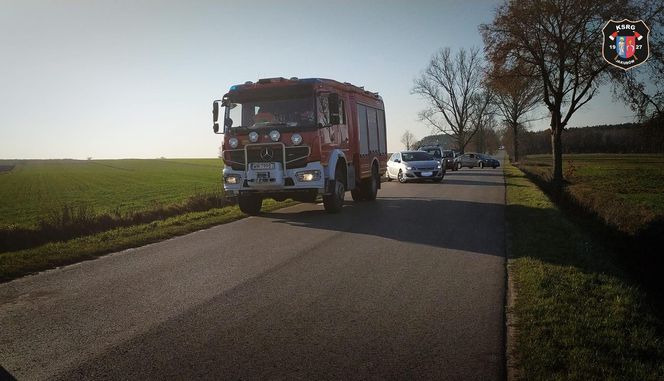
{"type": "Point", "coordinates": [414, 165]}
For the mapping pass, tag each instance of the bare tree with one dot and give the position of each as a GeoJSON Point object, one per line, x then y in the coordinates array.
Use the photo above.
{"type": "Point", "coordinates": [516, 96]}
{"type": "Point", "coordinates": [557, 42]}
{"type": "Point", "coordinates": [408, 139]}
{"type": "Point", "coordinates": [453, 87]}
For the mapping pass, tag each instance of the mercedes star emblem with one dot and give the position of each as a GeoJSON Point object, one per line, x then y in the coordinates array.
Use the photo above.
{"type": "Point", "coordinates": [267, 154]}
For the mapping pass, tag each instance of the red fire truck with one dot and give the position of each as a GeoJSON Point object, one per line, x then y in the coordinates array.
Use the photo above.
{"type": "Point", "coordinates": [301, 139]}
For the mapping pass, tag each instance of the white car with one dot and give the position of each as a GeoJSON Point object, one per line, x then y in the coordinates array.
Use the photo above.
{"type": "Point", "coordinates": [414, 165]}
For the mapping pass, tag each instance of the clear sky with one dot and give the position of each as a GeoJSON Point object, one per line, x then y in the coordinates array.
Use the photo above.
{"type": "Point", "coordinates": [118, 79]}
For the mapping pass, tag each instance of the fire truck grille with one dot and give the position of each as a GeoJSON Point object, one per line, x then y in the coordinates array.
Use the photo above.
{"type": "Point", "coordinates": [265, 153]}
{"type": "Point", "coordinates": [296, 157]}
{"type": "Point", "coordinates": [235, 158]}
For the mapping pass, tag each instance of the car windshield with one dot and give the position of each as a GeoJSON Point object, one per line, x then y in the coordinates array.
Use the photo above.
{"type": "Point", "coordinates": [435, 152]}
{"type": "Point", "coordinates": [276, 112]}
{"type": "Point", "coordinates": [416, 156]}
{"type": "Point", "coordinates": [448, 154]}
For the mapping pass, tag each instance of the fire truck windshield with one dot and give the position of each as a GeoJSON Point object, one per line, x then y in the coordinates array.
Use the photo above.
{"type": "Point", "coordinates": [253, 114]}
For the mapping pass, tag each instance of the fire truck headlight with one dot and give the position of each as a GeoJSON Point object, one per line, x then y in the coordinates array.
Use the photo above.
{"type": "Point", "coordinates": [233, 142]}
{"type": "Point", "coordinates": [275, 135]}
{"type": "Point", "coordinates": [232, 179]}
{"type": "Point", "coordinates": [296, 139]}
{"type": "Point", "coordinates": [308, 176]}
{"type": "Point", "coordinates": [253, 136]}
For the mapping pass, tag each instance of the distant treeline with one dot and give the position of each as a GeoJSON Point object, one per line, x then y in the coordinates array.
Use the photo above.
{"type": "Point", "coordinates": [617, 138]}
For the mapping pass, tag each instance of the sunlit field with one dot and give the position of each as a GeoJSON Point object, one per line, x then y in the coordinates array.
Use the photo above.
{"type": "Point", "coordinates": [33, 190]}
{"type": "Point", "coordinates": [627, 191]}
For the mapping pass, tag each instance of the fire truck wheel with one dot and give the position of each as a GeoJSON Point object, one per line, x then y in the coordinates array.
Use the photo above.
{"type": "Point", "coordinates": [250, 204]}
{"type": "Point", "coordinates": [357, 194]}
{"type": "Point", "coordinates": [370, 185]}
{"type": "Point", "coordinates": [335, 201]}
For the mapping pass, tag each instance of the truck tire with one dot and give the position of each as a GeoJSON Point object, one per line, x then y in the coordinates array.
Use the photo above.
{"type": "Point", "coordinates": [335, 201]}
{"type": "Point", "coordinates": [370, 185]}
{"type": "Point", "coordinates": [250, 204]}
{"type": "Point", "coordinates": [357, 194]}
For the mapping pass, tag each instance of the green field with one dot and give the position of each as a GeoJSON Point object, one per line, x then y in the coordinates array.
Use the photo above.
{"type": "Point", "coordinates": [35, 189]}
{"type": "Point", "coordinates": [574, 314]}
{"type": "Point", "coordinates": [627, 191]}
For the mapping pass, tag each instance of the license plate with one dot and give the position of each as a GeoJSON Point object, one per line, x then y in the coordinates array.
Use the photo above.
{"type": "Point", "coordinates": [426, 174]}
{"type": "Point", "coordinates": [258, 166]}
{"type": "Point", "coordinates": [263, 177]}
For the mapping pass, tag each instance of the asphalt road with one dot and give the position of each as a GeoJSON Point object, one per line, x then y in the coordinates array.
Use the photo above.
{"type": "Point", "coordinates": [409, 287]}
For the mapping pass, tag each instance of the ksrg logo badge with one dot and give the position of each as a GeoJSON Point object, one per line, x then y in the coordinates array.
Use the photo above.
{"type": "Point", "coordinates": [626, 43]}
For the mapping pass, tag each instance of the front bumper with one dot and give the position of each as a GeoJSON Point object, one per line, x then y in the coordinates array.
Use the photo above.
{"type": "Point", "coordinates": [276, 180]}
{"type": "Point", "coordinates": [418, 174]}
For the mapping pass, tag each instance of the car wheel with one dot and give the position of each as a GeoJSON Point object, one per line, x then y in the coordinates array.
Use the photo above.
{"type": "Point", "coordinates": [335, 201]}
{"type": "Point", "coordinates": [250, 204]}
{"type": "Point", "coordinates": [401, 177]}
{"type": "Point", "coordinates": [458, 166]}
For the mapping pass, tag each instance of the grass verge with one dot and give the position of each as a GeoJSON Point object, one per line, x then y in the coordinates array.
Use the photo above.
{"type": "Point", "coordinates": [71, 221]}
{"type": "Point", "coordinates": [23, 262]}
{"type": "Point", "coordinates": [575, 314]}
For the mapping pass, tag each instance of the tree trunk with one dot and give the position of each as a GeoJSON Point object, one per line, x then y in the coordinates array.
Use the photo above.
{"type": "Point", "coordinates": [461, 142]}
{"type": "Point", "coordinates": [515, 128]}
{"type": "Point", "coordinates": [557, 148]}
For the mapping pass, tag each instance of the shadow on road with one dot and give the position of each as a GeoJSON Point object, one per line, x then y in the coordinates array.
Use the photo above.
{"type": "Point", "coordinates": [476, 172]}
{"type": "Point", "coordinates": [471, 182]}
{"type": "Point", "coordinates": [451, 224]}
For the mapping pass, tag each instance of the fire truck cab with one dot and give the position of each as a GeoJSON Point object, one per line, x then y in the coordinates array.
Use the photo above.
{"type": "Point", "coordinates": [301, 139]}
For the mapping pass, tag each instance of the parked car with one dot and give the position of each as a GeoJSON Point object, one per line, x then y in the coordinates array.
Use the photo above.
{"type": "Point", "coordinates": [488, 161]}
{"type": "Point", "coordinates": [472, 160]}
{"type": "Point", "coordinates": [446, 157]}
{"type": "Point", "coordinates": [414, 165]}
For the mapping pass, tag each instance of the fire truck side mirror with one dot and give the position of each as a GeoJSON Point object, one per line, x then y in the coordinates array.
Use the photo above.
{"type": "Point", "coordinates": [215, 116]}
{"type": "Point", "coordinates": [333, 101]}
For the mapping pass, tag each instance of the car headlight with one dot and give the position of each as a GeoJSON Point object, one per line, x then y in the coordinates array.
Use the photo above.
{"type": "Point", "coordinates": [275, 135]}
{"type": "Point", "coordinates": [440, 166]}
{"type": "Point", "coordinates": [296, 139]}
{"type": "Point", "coordinates": [233, 142]}
{"type": "Point", "coordinates": [409, 168]}
{"type": "Point", "coordinates": [253, 136]}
